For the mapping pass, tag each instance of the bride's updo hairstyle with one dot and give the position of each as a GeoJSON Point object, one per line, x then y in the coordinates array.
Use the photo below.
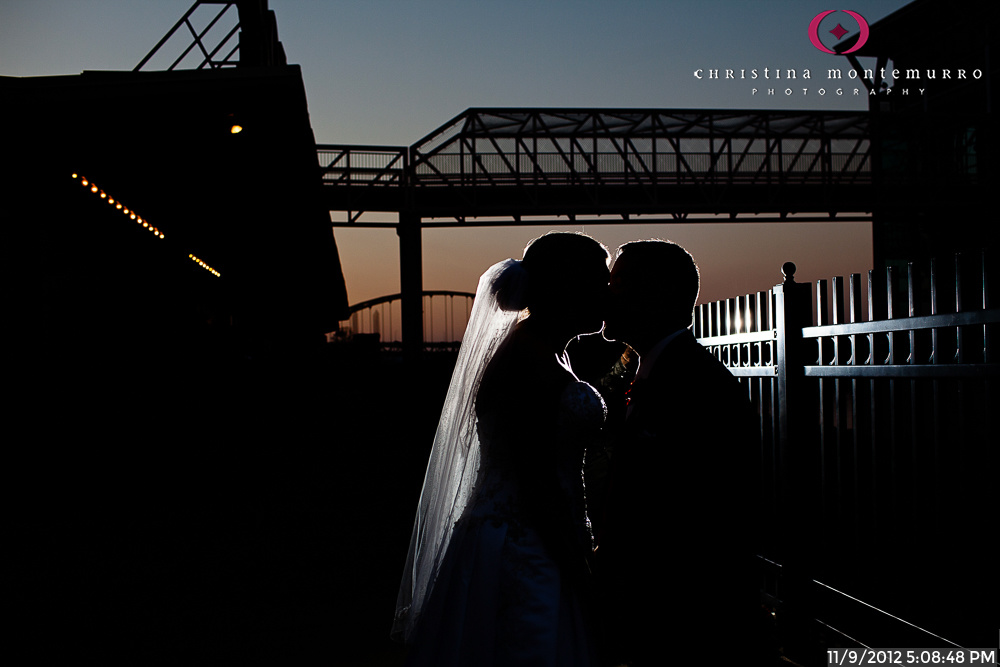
{"type": "Point", "coordinates": [560, 271]}
{"type": "Point", "coordinates": [511, 287]}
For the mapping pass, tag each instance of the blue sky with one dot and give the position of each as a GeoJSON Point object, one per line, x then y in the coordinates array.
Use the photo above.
{"type": "Point", "coordinates": [391, 71]}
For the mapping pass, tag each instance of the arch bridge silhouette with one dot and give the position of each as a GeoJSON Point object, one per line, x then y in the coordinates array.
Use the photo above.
{"type": "Point", "coordinates": [380, 317]}
{"type": "Point", "coordinates": [560, 166]}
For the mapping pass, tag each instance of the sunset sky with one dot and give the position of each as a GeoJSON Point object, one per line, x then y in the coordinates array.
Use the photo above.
{"type": "Point", "coordinates": [391, 71]}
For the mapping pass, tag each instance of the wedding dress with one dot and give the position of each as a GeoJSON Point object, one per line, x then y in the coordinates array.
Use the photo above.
{"type": "Point", "coordinates": [497, 568]}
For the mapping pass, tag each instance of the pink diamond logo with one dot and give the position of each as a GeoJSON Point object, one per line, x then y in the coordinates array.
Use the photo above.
{"type": "Point", "coordinates": [838, 32]}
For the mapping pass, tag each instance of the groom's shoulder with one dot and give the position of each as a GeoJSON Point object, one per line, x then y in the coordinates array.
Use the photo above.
{"type": "Point", "coordinates": [692, 367]}
{"type": "Point", "coordinates": [688, 351]}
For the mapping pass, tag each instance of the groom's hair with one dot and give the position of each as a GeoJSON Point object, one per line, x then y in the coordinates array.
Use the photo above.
{"type": "Point", "coordinates": [663, 272]}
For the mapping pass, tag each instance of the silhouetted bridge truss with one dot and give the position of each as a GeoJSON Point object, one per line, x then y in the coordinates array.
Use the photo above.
{"type": "Point", "coordinates": [519, 163]}
{"type": "Point", "coordinates": [549, 166]}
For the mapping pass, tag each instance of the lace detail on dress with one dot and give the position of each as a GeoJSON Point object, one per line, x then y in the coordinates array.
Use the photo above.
{"type": "Point", "coordinates": [581, 410]}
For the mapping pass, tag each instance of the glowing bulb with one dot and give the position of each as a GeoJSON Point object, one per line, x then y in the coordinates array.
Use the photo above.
{"type": "Point", "coordinates": [84, 182]}
{"type": "Point", "coordinates": [118, 206]}
{"type": "Point", "coordinates": [236, 129]}
{"type": "Point", "coordinates": [74, 175]}
{"type": "Point", "coordinates": [103, 195]}
{"type": "Point", "coordinates": [132, 216]}
{"type": "Point", "coordinates": [93, 188]}
{"type": "Point", "coordinates": [111, 200]}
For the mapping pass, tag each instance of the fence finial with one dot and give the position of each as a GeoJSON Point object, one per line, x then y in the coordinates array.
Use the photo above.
{"type": "Point", "coordinates": [788, 271]}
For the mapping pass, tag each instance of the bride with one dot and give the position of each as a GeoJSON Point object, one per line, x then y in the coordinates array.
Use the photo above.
{"type": "Point", "coordinates": [498, 560]}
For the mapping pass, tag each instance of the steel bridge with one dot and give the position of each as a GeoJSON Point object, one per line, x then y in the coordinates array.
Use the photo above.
{"type": "Point", "coordinates": [554, 166]}
{"type": "Point", "coordinates": [444, 320]}
{"type": "Point", "coordinates": [568, 162]}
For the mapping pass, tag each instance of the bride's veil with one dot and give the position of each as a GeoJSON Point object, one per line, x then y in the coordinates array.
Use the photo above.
{"type": "Point", "coordinates": [454, 459]}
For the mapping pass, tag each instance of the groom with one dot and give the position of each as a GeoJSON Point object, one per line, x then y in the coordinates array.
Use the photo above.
{"type": "Point", "coordinates": [676, 555]}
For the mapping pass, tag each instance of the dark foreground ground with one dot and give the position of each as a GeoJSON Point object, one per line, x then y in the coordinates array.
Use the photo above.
{"type": "Point", "coordinates": [209, 508]}
{"type": "Point", "coordinates": [212, 508]}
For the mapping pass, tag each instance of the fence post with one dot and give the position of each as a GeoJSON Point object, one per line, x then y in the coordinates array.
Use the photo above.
{"type": "Point", "coordinates": [796, 509]}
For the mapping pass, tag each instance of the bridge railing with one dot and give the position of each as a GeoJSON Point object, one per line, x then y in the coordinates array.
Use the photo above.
{"type": "Point", "coordinates": [552, 168]}
{"type": "Point", "coordinates": [584, 147]}
{"type": "Point", "coordinates": [876, 408]}
{"type": "Point", "coordinates": [359, 165]}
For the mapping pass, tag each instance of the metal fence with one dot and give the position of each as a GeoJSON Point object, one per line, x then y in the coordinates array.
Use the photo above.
{"type": "Point", "coordinates": [877, 406]}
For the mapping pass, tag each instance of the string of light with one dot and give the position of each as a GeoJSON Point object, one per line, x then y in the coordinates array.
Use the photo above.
{"type": "Point", "coordinates": [132, 215]}
{"type": "Point", "coordinates": [205, 266]}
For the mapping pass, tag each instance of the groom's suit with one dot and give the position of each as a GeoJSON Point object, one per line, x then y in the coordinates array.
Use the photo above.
{"type": "Point", "coordinates": [676, 555]}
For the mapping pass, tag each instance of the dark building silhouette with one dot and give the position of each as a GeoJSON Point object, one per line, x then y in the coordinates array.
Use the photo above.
{"type": "Point", "coordinates": [934, 134]}
{"type": "Point", "coordinates": [163, 144]}
{"type": "Point", "coordinates": [149, 394]}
